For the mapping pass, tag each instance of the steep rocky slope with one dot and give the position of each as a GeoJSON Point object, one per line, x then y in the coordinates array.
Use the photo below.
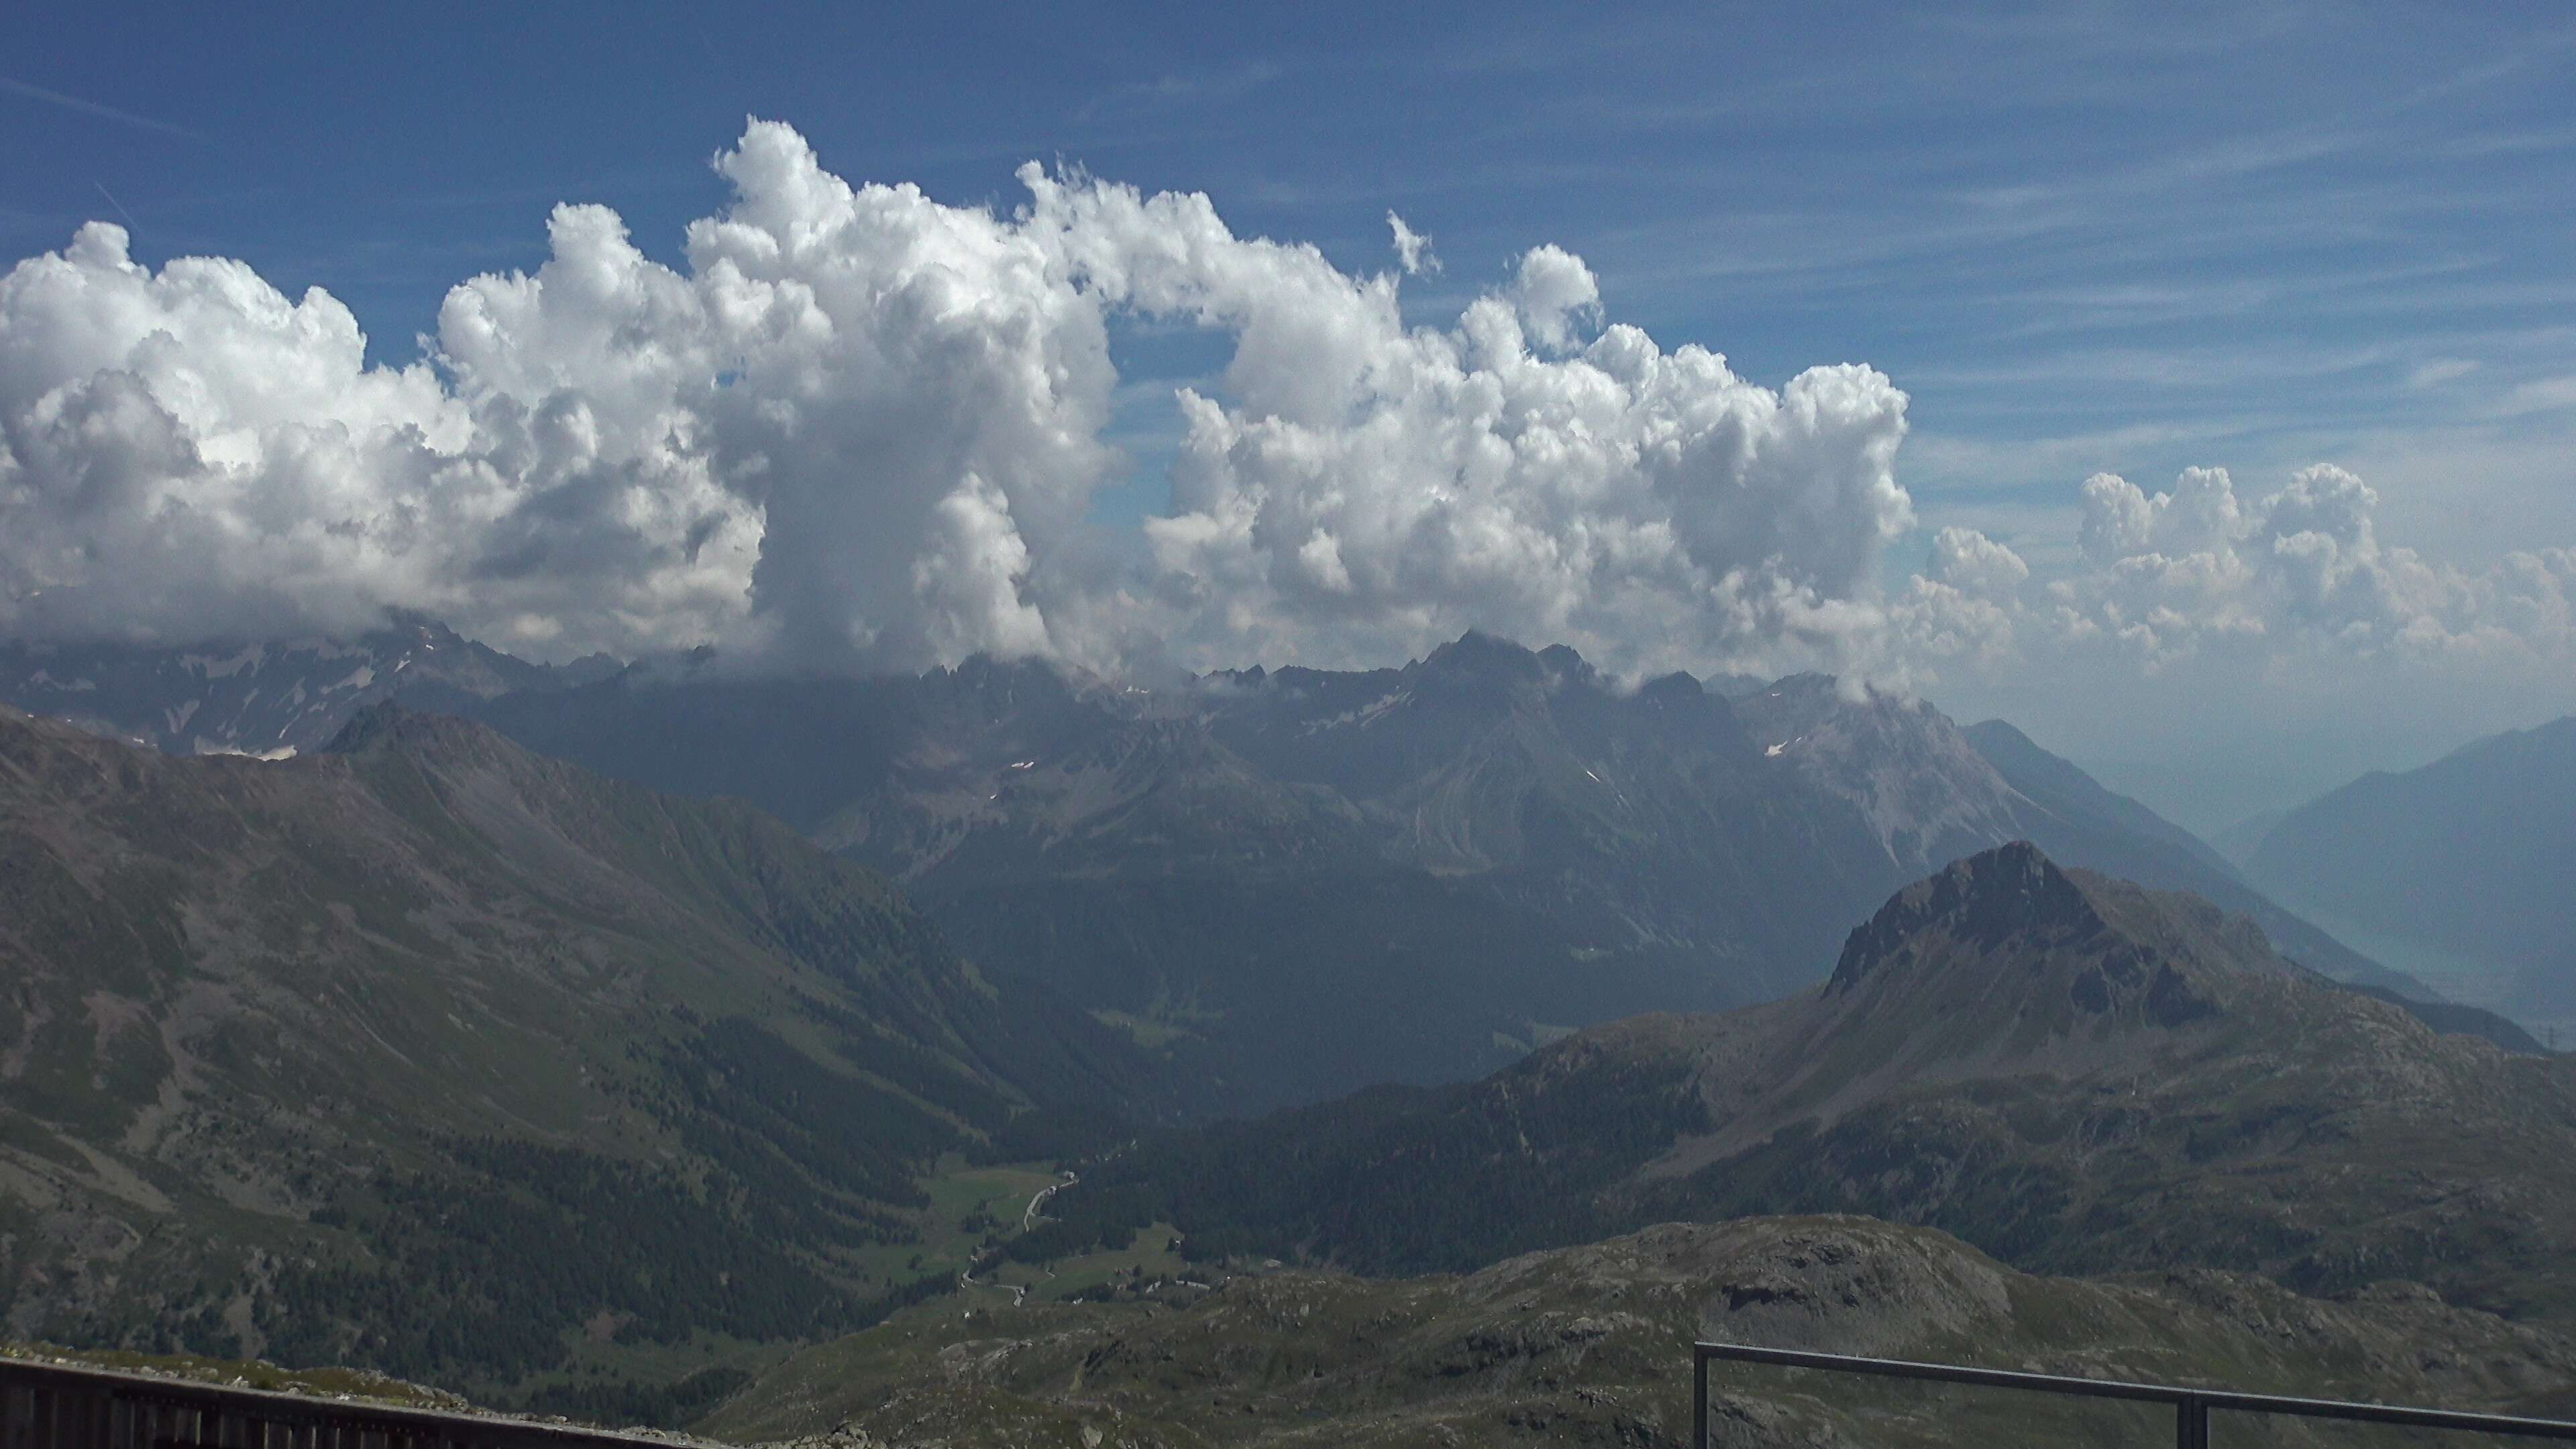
{"type": "Point", "coordinates": [423, 1053]}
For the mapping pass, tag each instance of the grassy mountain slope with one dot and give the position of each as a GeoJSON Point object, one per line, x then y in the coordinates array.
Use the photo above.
{"type": "Point", "coordinates": [1590, 1345]}
{"type": "Point", "coordinates": [427, 1054]}
{"type": "Point", "coordinates": [2067, 1071]}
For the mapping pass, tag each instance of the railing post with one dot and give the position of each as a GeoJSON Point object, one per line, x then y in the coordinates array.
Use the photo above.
{"type": "Point", "coordinates": [2191, 1421]}
{"type": "Point", "coordinates": [1699, 1399]}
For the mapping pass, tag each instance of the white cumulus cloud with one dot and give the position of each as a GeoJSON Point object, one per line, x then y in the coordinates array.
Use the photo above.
{"type": "Point", "coordinates": [2281, 583]}
{"type": "Point", "coordinates": [858, 428]}
{"type": "Point", "coordinates": [1412, 249]}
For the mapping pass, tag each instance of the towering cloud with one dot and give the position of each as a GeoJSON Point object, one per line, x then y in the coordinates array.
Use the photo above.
{"type": "Point", "coordinates": [862, 429]}
{"type": "Point", "coordinates": [858, 429]}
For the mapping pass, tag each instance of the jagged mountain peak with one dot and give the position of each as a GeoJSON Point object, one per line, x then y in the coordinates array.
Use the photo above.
{"type": "Point", "coordinates": [387, 724]}
{"type": "Point", "coordinates": [2005, 945]}
{"type": "Point", "coordinates": [1979, 900]}
{"type": "Point", "coordinates": [1926, 792]}
{"type": "Point", "coordinates": [986, 671]}
{"type": "Point", "coordinates": [2075, 1070]}
{"type": "Point", "coordinates": [1476, 657]}
{"type": "Point", "coordinates": [1678, 687]}
{"type": "Point", "coordinates": [1566, 667]}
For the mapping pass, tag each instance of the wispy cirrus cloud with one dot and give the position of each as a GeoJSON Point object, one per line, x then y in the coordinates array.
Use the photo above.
{"type": "Point", "coordinates": [15, 87]}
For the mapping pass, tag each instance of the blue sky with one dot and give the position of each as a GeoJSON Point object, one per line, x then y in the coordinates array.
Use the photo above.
{"type": "Point", "coordinates": [2081, 237]}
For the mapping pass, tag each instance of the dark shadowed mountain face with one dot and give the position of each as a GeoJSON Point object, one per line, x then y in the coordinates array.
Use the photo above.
{"type": "Point", "coordinates": [2470, 857]}
{"type": "Point", "coordinates": [425, 1052]}
{"type": "Point", "coordinates": [2072, 1073]}
{"type": "Point", "coordinates": [1299, 882]}
{"type": "Point", "coordinates": [264, 698]}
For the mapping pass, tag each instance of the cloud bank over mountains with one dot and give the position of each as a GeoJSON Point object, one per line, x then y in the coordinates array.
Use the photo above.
{"type": "Point", "coordinates": [860, 429]}
{"type": "Point", "coordinates": [2290, 582]}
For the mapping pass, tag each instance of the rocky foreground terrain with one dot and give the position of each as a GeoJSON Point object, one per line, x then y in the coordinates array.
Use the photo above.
{"type": "Point", "coordinates": [1588, 1345]}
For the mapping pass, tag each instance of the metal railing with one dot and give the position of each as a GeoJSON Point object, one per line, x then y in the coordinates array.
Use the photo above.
{"type": "Point", "coordinates": [49, 1406]}
{"type": "Point", "coordinates": [2192, 1407]}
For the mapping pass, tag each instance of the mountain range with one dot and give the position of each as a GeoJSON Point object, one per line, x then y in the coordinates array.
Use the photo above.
{"type": "Point", "coordinates": [422, 1051]}
{"type": "Point", "coordinates": [1464, 857]}
{"type": "Point", "coordinates": [2037, 1118]}
{"type": "Point", "coordinates": [271, 698]}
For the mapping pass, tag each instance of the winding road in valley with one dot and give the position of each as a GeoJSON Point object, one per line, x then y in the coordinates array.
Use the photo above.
{"type": "Point", "coordinates": [1064, 1180]}
{"type": "Point", "coordinates": [1028, 1219]}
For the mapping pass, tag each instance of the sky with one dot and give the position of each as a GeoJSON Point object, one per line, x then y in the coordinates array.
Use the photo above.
{"type": "Point", "coordinates": [2194, 386]}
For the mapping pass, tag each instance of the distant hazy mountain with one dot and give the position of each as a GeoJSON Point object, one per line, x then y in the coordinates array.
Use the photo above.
{"type": "Point", "coordinates": [1303, 881]}
{"type": "Point", "coordinates": [2082, 823]}
{"type": "Point", "coordinates": [263, 698]}
{"type": "Point", "coordinates": [2239, 840]}
{"type": "Point", "coordinates": [2473, 854]}
{"type": "Point", "coordinates": [426, 1053]}
{"type": "Point", "coordinates": [2070, 1072]}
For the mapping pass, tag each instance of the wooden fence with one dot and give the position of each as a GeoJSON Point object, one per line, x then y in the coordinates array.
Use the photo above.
{"type": "Point", "coordinates": [49, 1406]}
